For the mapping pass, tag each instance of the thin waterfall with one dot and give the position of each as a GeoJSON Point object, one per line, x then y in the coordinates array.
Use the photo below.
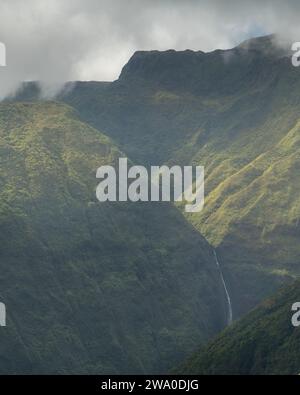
{"type": "Point", "coordinates": [229, 316]}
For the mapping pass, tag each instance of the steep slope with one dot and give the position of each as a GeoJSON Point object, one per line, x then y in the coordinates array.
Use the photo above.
{"type": "Point", "coordinates": [92, 287]}
{"type": "Point", "coordinates": [263, 342]}
{"type": "Point", "coordinates": [166, 105]}
{"type": "Point", "coordinates": [237, 113]}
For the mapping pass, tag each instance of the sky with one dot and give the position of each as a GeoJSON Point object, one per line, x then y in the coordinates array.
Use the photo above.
{"type": "Point", "coordinates": [54, 41]}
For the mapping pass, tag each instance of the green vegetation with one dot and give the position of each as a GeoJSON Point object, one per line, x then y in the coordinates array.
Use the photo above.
{"type": "Point", "coordinates": [237, 113]}
{"type": "Point", "coordinates": [90, 287]}
{"type": "Point", "coordinates": [263, 342]}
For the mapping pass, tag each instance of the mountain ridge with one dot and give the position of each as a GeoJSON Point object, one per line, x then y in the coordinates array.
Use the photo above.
{"type": "Point", "coordinates": [233, 116]}
{"type": "Point", "coordinates": [240, 121]}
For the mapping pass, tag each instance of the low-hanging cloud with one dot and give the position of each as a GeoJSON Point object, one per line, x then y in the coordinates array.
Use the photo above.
{"type": "Point", "coordinates": [54, 41]}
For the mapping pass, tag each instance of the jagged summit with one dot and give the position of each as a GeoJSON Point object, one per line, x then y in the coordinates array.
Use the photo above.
{"type": "Point", "coordinates": [269, 44]}
{"type": "Point", "coordinates": [192, 71]}
{"type": "Point", "coordinates": [150, 64]}
{"type": "Point", "coordinates": [197, 72]}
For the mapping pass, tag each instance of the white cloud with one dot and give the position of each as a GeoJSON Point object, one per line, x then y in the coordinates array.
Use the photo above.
{"type": "Point", "coordinates": [59, 40]}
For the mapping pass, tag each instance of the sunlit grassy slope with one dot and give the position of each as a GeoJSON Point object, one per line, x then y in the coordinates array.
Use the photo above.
{"type": "Point", "coordinates": [237, 113]}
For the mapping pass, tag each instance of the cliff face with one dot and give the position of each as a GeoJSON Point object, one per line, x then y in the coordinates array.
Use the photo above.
{"type": "Point", "coordinates": [92, 287]}
{"type": "Point", "coordinates": [237, 113]}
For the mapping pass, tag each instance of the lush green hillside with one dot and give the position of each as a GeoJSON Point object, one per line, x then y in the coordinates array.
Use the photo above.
{"type": "Point", "coordinates": [92, 287]}
{"type": "Point", "coordinates": [263, 342]}
{"type": "Point", "coordinates": [237, 113]}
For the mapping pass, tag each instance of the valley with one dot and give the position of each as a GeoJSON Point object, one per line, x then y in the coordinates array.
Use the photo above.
{"type": "Point", "coordinates": [90, 287]}
{"type": "Point", "coordinates": [155, 281]}
{"type": "Point", "coordinates": [238, 119]}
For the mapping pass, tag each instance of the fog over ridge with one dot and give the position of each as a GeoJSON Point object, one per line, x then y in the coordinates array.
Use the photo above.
{"type": "Point", "coordinates": [54, 41]}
